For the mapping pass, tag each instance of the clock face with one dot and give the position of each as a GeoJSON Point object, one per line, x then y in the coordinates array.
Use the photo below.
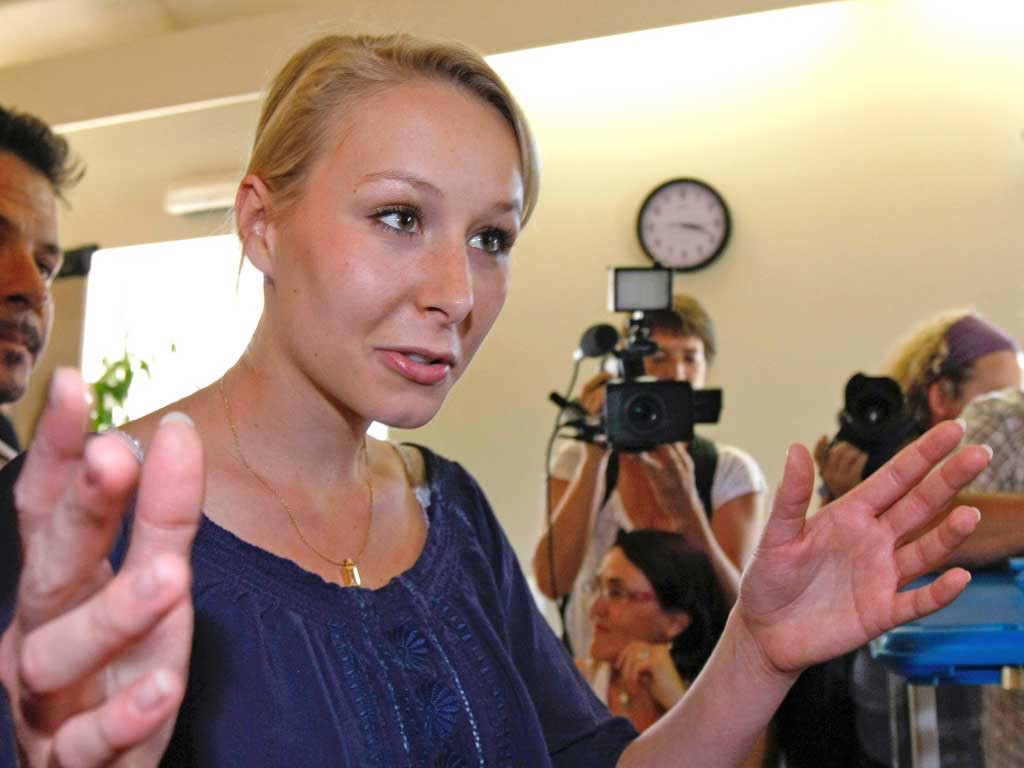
{"type": "Point", "coordinates": [683, 224]}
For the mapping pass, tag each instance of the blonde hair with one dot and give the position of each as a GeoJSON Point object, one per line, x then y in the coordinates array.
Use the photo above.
{"type": "Point", "coordinates": [922, 359]}
{"type": "Point", "coordinates": [333, 72]}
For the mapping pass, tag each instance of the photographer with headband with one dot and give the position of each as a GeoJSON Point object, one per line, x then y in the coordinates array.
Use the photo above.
{"type": "Point", "coordinates": [245, 578]}
{"type": "Point", "coordinates": [712, 494]}
{"type": "Point", "coordinates": [941, 367]}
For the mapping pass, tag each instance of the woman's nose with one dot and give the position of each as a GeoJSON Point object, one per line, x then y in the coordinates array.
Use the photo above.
{"type": "Point", "coordinates": [448, 283]}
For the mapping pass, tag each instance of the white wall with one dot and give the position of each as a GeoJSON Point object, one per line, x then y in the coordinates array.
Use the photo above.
{"type": "Point", "coordinates": [872, 157]}
{"type": "Point", "coordinates": [871, 153]}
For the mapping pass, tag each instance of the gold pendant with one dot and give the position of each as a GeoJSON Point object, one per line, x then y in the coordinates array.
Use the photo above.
{"type": "Point", "coordinates": [349, 573]}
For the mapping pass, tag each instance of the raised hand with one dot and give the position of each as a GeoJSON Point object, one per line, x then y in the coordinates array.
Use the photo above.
{"type": "Point", "coordinates": [820, 586]}
{"type": "Point", "coordinates": [95, 664]}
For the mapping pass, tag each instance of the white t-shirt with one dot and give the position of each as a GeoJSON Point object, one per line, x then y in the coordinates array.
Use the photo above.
{"type": "Point", "coordinates": [736, 474]}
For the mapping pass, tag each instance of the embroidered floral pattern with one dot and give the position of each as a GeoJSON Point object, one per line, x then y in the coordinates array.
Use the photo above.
{"type": "Point", "coordinates": [441, 709]}
{"type": "Point", "coordinates": [409, 648]}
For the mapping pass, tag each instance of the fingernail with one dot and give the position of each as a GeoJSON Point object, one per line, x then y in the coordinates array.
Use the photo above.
{"type": "Point", "coordinates": [988, 448]}
{"type": "Point", "coordinates": [147, 584]}
{"type": "Point", "coordinates": [133, 445]}
{"type": "Point", "coordinates": [176, 417]}
{"type": "Point", "coordinates": [152, 692]}
{"type": "Point", "coordinates": [963, 424]}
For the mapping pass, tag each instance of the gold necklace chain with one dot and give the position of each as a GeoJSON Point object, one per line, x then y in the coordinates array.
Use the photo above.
{"type": "Point", "coordinates": [347, 568]}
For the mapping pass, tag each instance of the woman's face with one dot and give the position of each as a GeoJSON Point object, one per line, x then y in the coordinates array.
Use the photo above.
{"type": "Point", "coordinates": [387, 274]}
{"type": "Point", "coordinates": [679, 358]}
{"type": "Point", "coordinates": [989, 373]}
{"type": "Point", "coordinates": [624, 609]}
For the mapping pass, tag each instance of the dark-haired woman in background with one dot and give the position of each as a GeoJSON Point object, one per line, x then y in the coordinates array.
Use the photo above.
{"type": "Point", "coordinates": [657, 612]}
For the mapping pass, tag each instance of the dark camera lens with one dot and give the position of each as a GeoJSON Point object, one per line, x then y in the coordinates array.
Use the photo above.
{"type": "Point", "coordinates": [645, 413]}
{"type": "Point", "coordinates": [875, 412]}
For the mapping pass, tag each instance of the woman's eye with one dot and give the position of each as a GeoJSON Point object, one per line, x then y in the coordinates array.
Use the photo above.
{"type": "Point", "coordinates": [401, 219]}
{"type": "Point", "coordinates": [491, 241]}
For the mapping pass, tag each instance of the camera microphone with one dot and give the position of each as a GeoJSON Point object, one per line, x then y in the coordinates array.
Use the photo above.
{"type": "Point", "coordinates": [598, 341]}
{"type": "Point", "coordinates": [566, 405]}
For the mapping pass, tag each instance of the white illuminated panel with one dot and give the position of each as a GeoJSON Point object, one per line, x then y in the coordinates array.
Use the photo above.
{"type": "Point", "coordinates": [181, 306]}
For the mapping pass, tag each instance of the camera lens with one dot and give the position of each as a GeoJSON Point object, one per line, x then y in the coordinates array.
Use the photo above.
{"type": "Point", "coordinates": [645, 413]}
{"type": "Point", "coordinates": [875, 412]}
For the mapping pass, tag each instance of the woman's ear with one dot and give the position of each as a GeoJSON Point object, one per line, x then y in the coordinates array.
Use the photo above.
{"type": "Point", "coordinates": [941, 405]}
{"type": "Point", "coordinates": [678, 622]}
{"type": "Point", "coordinates": [252, 213]}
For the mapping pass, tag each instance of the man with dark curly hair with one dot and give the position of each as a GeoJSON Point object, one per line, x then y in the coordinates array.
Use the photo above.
{"type": "Point", "coordinates": [36, 167]}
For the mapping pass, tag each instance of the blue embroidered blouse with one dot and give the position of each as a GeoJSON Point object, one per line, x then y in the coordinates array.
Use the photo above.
{"type": "Point", "coordinates": [449, 665]}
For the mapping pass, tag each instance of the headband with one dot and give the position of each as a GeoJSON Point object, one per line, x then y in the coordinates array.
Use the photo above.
{"type": "Point", "coordinates": [971, 337]}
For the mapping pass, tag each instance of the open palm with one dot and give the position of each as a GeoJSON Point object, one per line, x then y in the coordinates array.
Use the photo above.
{"type": "Point", "coordinates": [820, 586]}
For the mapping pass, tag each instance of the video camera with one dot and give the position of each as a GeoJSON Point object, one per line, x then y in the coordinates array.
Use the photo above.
{"type": "Point", "coordinates": [875, 419]}
{"type": "Point", "coordinates": [640, 411]}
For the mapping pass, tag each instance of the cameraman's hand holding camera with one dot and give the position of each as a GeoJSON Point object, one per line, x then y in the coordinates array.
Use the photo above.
{"type": "Point", "coordinates": [841, 465]}
{"type": "Point", "coordinates": [670, 472]}
{"type": "Point", "coordinates": [592, 394]}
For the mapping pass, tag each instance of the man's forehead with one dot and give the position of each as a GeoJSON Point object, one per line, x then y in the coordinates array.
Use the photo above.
{"type": "Point", "coordinates": [24, 192]}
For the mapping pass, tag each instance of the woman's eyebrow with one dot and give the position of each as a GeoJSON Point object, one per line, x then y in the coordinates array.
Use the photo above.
{"type": "Point", "coordinates": [403, 176]}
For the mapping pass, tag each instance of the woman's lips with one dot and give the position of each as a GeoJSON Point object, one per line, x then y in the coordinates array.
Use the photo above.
{"type": "Point", "coordinates": [418, 367]}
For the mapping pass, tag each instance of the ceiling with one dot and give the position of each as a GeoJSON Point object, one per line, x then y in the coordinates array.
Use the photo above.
{"type": "Point", "coordinates": [34, 30]}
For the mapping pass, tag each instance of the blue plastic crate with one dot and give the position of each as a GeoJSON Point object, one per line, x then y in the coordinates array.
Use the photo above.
{"type": "Point", "coordinates": [968, 642]}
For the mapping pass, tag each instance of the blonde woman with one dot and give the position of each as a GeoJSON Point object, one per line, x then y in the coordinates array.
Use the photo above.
{"type": "Point", "coordinates": [285, 591]}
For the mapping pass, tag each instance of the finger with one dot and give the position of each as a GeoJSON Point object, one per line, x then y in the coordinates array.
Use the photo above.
{"type": "Point", "coordinates": [99, 736]}
{"type": "Point", "coordinates": [56, 448]}
{"type": "Point", "coordinates": [922, 601]}
{"type": "Point", "coordinates": [821, 451]}
{"type": "Point", "coordinates": [62, 557]}
{"type": "Point", "coordinates": [170, 492]}
{"type": "Point", "coordinates": [630, 674]}
{"type": "Point", "coordinates": [861, 461]}
{"type": "Point", "coordinates": [902, 472]}
{"type": "Point", "coordinates": [846, 457]}
{"type": "Point", "coordinates": [934, 494]}
{"type": "Point", "coordinates": [791, 500]}
{"type": "Point", "coordinates": [929, 551]}
{"type": "Point", "coordinates": [67, 649]}
{"type": "Point", "coordinates": [652, 460]}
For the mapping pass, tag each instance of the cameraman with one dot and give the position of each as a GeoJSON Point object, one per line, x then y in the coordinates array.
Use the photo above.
{"type": "Point", "coordinates": [941, 367]}
{"type": "Point", "coordinates": [711, 494]}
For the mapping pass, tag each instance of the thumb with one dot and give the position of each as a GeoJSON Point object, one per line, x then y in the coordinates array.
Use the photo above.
{"type": "Point", "coordinates": [791, 500]}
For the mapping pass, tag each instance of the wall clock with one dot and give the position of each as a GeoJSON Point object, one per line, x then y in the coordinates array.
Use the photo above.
{"type": "Point", "coordinates": [683, 224]}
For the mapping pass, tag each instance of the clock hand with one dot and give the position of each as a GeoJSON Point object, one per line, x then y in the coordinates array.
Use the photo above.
{"type": "Point", "coordinates": [688, 225]}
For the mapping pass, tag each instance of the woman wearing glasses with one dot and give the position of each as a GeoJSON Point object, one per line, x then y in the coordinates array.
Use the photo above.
{"type": "Point", "coordinates": [656, 612]}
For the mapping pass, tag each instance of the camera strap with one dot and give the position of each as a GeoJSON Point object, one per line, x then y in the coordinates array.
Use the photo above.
{"type": "Point", "coordinates": [704, 453]}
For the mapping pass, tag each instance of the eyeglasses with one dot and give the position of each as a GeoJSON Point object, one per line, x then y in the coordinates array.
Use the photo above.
{"type": "Point", "coordinates": [615, 592]}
